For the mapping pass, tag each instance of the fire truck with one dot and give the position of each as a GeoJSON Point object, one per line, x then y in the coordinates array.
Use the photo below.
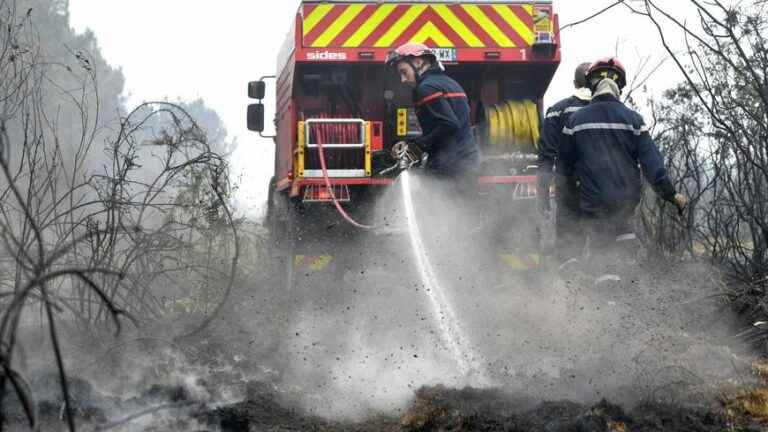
{"type": "Point", "coordinates": [339, 111]}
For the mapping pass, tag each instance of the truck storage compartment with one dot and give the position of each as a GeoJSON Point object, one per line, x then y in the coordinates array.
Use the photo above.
{"type": "Point", "coordinates": [344, 146]}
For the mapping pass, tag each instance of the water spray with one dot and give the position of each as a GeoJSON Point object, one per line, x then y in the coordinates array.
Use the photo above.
{"type": "Point", "coordinates": [450, 330]}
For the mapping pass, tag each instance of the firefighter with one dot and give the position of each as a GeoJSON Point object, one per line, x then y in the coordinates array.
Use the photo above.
{"type": "Point", "coordinates": [606, 147]}
{"type": "Point", "coordinates": [570, 238]}
{"type": "Point", "coordinates": [443, 111]}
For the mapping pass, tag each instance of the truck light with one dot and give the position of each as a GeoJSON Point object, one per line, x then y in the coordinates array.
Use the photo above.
{"type": "Point", "coordinates": [324, 194]}
{"type": "Point", "coordinates": [494, 55]}
{"type": "Point", "coordinates": [377, 136]}
{"type": "Point", "coordinates": [545, 44]}
{"type": "Point", "coordinates": [366, 55]}
{"type": "Point", "coordinates": [321, 194]}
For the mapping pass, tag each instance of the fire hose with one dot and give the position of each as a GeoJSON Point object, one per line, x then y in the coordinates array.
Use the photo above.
{"type": "Point", "coordinates": [513, 125]}
{"type": "Point", "coordinates": [327, 179]}
{"type": "Point", "coordinates": [406, 160]}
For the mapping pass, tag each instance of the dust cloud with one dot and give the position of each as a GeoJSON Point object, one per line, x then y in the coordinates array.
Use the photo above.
{"type": "Point", "coordinates": [370, 332]}
{"type": "Point", "coordinates": [362, 336]}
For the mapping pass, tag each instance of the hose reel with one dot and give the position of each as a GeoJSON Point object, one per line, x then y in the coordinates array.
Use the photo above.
{"type": "Point", "coordinates": [512, 127]}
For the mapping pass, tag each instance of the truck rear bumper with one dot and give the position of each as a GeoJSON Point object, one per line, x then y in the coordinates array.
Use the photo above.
{"type": "Point", "coordinates": [483, 181]}
{"type": "Point", "coordinates": [296, 185]}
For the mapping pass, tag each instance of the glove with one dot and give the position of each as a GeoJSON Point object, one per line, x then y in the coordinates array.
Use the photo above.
{"type": "Point", "coordinates": [406, 151]}
{"type": "Point", "coordinates": [398, 150]}
{"type": "Point", "coordinates": [680, 201]}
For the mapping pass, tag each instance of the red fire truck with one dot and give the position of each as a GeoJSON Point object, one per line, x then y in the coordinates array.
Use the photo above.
{"type": "Point", "coordinates": [333, 90]}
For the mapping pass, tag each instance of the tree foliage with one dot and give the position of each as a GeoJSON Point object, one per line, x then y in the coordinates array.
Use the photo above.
{"type": "Point", "coordinates": [102, 209]}
{"type": "Point", "coordinates": [713, 128]}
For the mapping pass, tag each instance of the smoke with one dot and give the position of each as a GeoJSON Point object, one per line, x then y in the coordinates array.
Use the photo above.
{"type": "Point", "coordinates": [361, 332]}
{"type": "Point", "coordinates": [379, 325]}
{"type": "Point", "coordinates": [441, 307]}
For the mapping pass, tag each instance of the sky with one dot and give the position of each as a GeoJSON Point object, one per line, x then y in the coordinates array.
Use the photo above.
{"type": "Point", "coordinates": [199, 48]}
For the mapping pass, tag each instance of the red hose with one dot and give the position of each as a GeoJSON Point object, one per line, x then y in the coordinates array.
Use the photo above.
{"type": "Point", "coordinates": [342, 212]}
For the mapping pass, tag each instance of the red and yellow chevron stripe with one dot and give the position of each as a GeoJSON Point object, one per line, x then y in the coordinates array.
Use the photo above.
{"type": "Point", "coordinates": [440, 25]}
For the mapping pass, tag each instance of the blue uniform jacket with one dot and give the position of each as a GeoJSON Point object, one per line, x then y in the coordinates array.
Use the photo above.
{"type": "Point", "coordinates": [443, 112]}
{"type": "Point", "coordinates": [552, 130]}
{"type": "Point", "coordinates": [549, 145]}
{"type": "Point", "coordinates": [605, 148]}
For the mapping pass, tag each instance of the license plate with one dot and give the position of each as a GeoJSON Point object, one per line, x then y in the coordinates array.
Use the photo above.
{"type": "Point", "coordinates": [445, 54]}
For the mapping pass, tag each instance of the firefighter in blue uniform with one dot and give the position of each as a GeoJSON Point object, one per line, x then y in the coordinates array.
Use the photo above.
{"type": "Point", "coordinates": [570, 238]}
{"type": "Point", "coordinates": [606, 147]}
{"type": "Point", "coordinates": [443, 111]}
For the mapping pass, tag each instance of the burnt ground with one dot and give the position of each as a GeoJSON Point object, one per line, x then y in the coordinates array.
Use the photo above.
{"type": "Point", "coordinates": [218, 383]}
{"type": "Point", "coordinates": [264, 408]}
{"type": "Point", "coordinates": [221, 389]}
{"type": "Point", "coordinates": [442, 409]}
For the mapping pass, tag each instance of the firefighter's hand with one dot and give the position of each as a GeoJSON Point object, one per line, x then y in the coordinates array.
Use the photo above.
{"type": "Point", "coordinates": [681, 201]}
{"type": "Point", "coordinates": [398, 150]}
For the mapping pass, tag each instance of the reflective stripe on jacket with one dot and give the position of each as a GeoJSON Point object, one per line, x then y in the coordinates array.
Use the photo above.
{"type": "Point", "coordinates": [552, 128]}
{"type": "Point", "coordinates": [606, 147]}
{"type": "Point", "coordinates": [443, 111]}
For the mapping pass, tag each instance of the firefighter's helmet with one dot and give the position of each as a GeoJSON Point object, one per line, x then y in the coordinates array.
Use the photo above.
{"type": "Point", "coordinates": [607, 68]}
{"type": "Point", "coordinates": [409, 51]}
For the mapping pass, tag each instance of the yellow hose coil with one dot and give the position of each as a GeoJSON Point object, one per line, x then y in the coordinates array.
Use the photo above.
{"type": "Point", "coordinates": [533, 119]}
{"type": "Point", "coordinates": [522, 129]}
{"type": "Point", "coordinates": [493, 125]}
{"type": "Point", "coordinates": [513, 126]}
{"type": "Point", "coordinates": [505, 124]}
